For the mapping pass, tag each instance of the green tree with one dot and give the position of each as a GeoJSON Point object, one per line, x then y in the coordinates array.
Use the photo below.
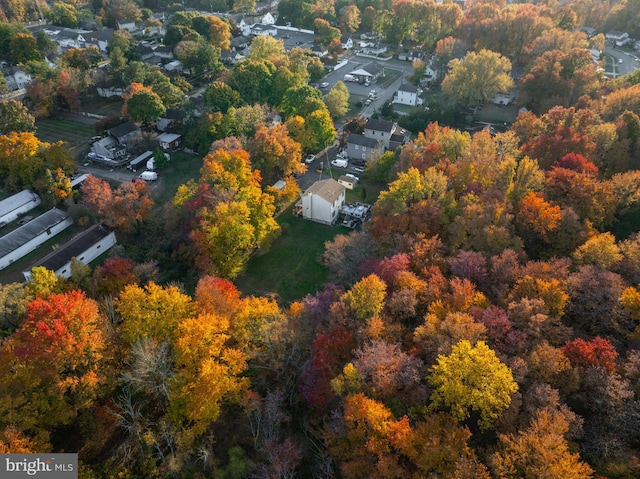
{"type": "Point", "coordinates": [14, 116]}
{"type": "Point", "coordinates": [253, 79]}
{"type": "Point", "coordinates": [337, 100]}
{"type": "Point", "coordinates": [472, 378]}
{"type": "Point", "coordinates": [63, 14]}
{"type": "Point", "coordinates": [24, 48]}
{"type": "Point", "coordinates": [46, 46]}
{"type": "Point", "coordinates": [265, 47]}
{"type": "Point", "coordinates": [320, 130]}
{"type": "Point", "coordinates": [220, 97]}
{"type": "Point", "coordinates": [477, 78]}
{"type": "Point", "coordinates": [145, 105]}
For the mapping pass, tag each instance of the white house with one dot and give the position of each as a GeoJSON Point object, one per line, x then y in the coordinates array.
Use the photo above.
{"type": "Point", "coordinates": [504, 98]}
{"type": "Point", "coordinates": [28, 237]}
{"type": "Point", "coordinates": [408, 94]}
{"type": "Point", "coordinates": [15, 78]}
{"type": "Point", "coordinates": [85, 247]}
{"type": "Point", "coordinates": [264, 30]}
{"type": "Point", "coordinates": [322, 201]}
{"type": "Point", "coordinates": [617, 38]}
{"type": "Point", "coordinates": [349, 182]}
{"type": "Point", "coordinates": [319, 50]}
{"type": "Point", "coordinates": [347, 42]}
{"type": "Point", "coordinates": [13, 206]}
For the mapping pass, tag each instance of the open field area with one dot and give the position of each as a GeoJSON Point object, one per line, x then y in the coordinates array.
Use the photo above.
{"type": "Point", "coordinates": [74, 133]}
{"type": "Point", "coordinates": [291, 268]}
{"type": "Point", "coordinates": [498, 113]}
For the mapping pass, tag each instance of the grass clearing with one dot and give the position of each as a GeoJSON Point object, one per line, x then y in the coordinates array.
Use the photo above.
{"type": "Point", "coordinates": [291, 268]}
{"type": "Point", "coordinates": [74, 133]}
{"type": "Point", "coordinates": [182, 167]}
{"type": "Point", "coordinates": [390, 76]}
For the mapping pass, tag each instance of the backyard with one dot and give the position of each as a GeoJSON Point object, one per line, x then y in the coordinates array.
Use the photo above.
{"type": "Point", "coordinates": [291, 268]}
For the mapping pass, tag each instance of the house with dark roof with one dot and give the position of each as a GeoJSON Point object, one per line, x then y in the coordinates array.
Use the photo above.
{"type": "Point", "coordinates": [171, 120]}
{"type": "Point", "coordinates": [318, 49]}
{"type": "Point", "coordinates": [617, 38]}
{"type": "Point", "coordinates": [15, 78]}
{"type": "Point", "coordinates": [262, 29]}
{"type": "Point", "coordinates": [240, 43]}
{"type": "Point", "coordinates": [85, 247]}
{"type": "Point", "coordinates": [381, 130]}
{"type": "Point", "coordinates": [99, 38]}
{"type": "Point", "coordinates": [15, 205]}
{"type": "Point", "coordinates": [346, 42]}
{"type": "Point", "coordinates": [124, 132]}
{"type": "Point", "coordinates": [359, 147]}
{"type": "Point", "coordinates": [28, 237]}
{"type": "Point", "coordinates": [408, 94]}
{"type": "Point", "coordinates": [231, 57]}
{"type": "Point", "coordinates": [322, 201]}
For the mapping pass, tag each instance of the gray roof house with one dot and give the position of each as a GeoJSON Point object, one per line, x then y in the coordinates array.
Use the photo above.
{"type": "Point", "coordinates": [28, 237]}
{"type": "Point", "coordinates": [379, 130]}
{"type": "Point", "coordinates": [85, 247]}
{"type": "Point", "coordinates": [15, 205]}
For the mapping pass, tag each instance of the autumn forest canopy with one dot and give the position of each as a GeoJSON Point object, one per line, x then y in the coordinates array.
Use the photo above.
{"type": "Point", "coordinates": [484, 324]}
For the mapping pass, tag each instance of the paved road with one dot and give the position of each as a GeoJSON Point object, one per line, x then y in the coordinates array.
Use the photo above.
{"type": "Point", "coordinates": [630, 62]}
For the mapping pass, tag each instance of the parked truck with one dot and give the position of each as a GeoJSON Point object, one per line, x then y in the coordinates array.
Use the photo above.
{"type": "Point", "coordinates": [350, 78]}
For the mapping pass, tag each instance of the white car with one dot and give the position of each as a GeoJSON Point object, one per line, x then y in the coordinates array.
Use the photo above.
{"type": "Point", "coordinates": [620, 60]}
{"type": "Point", "coordinates": [358, 169]}
{"type": "Point", "coordinates": [309, 159]}
{"type": "Point", "coordinates": [324, 84]}
{"type": "Point", "coordinates": [353, 177]}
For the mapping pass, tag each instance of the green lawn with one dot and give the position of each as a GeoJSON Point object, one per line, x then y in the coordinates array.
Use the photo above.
{"type": "Point", "coordinates": [290, 269]}
{"type": "Point", "coordinates": [390, 75]}
{"type": "Point", "coordinates": [182, 167]}
{"type": "Point", "coordinates": [74, 133]}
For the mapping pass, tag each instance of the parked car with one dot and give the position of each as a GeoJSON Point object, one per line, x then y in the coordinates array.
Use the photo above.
{"type": "Point", "coordinates": [309, 159]}
{"type": "Point", "coordinates": [353, 177]}
{"type": "Point", "coordinates": [358, 169]}
{"type": "Point", "coordinates": [367, 102]}
{"type": "Point", "coordinates": [324, 84]}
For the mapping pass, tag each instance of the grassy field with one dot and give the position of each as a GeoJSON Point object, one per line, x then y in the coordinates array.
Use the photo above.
{"type": "Point", "coordinates": [291, 268]}
{"type": "Point", "coordinates": [498, 113]}
{"type": "Point", "coordinates": [182, 167]}
{"type": "Point", "coordinates": [390, 76]}
{"type": "Point", "coordinates": [74, 133]}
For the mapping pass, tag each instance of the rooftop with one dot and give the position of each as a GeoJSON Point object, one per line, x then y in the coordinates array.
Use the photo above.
{"type": "Point", "coordinates": [328, 189]}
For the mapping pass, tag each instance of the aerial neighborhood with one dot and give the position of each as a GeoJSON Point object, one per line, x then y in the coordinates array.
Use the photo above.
{"type": "Point", "coordinates": [320, 239]}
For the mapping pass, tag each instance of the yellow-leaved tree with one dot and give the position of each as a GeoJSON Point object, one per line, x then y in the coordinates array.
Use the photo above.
{"type": "Point", "coordinates": [472, 378]}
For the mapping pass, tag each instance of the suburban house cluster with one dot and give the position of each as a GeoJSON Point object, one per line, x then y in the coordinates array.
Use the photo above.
{"type": "Point", "coordinates": [379, 136]}
{"type": "Point", "coordinates": [121, 145]}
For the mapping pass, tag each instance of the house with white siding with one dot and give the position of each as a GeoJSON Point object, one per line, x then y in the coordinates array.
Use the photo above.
{"type": "Point", "coordinates": [408, 94]}
{"type": "Point", "coordinates": [15, 205]}
{"type": "Point", "coordinates": [25, 239]}
{"type": "Point", "coordinates": [85, 247]}
{"type": "Point", "coordinates": [322, 201]}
